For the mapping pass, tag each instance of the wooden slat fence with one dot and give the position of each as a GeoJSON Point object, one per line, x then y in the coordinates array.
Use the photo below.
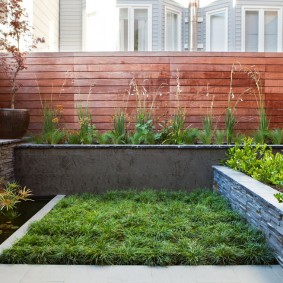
{"type": "Point", "coordinates": [102, 81]}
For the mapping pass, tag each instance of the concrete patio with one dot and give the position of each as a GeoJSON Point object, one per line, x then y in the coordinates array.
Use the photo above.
{"type": "Point", "coordinates": [140, 274]}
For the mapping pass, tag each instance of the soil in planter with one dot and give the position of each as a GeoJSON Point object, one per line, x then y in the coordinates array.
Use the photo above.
{"type": "Point", "coordinates": [8, 225]}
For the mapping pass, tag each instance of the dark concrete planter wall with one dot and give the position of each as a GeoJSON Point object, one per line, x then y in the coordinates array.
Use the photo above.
{"type": "Point", "coordinates": [255, 201]}
{"type": "Point", "coordinates": [65, 169]}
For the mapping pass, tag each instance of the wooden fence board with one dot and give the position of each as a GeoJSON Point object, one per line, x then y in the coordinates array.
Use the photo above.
{"type": "Point", "coordinates": [103, 79]}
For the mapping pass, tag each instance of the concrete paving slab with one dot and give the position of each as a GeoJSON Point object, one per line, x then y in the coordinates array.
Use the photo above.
{"type": "Point", "coordinates": [180, 274]}
{"type": "Point", "coordinates": [12, 273]}
{"type": "Point", "coordinates": [139, 274]}
{"type": "Point", "coordinates": [130, 274]}
{"type": "Point", "coordinates": [23, 281]}
{"type": "Point", "coordinates": [216, 274]}
{"type": "Point", "coordinates": [46, 273]}
{"type": "Point", "coordinates": [257, 274]}
{"type": "Point", "coordinates": [278, 270]}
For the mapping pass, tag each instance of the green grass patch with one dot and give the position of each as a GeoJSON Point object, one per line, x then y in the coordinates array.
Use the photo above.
{"type": "Point", "coordinates": [147, 228]}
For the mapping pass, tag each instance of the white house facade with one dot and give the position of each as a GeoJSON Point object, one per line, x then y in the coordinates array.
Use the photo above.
{"type": "Point", "coordinates": [241, 25]}
{"type": "Point", "coordinates": [44, 17]}
{"type": "Point", "coordinates": [122, 25]}
{"type": "Point", "coordinates": [157, 25]}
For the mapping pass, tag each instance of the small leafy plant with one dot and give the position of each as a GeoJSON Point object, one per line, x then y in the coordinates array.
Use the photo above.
{"type": "Point", "coordinates": [11, 193]}
{"type": "Point", "coordinates": [119, 134]}
{"type": "Point", "coordinates": [174, 132]}
{"type": "Point", "coordinates": [259, 162]}
{"type": "Point", "coordinates": [51, 132]}
{"type": "Point", "coordinates": [144, 134]}
{"type": "Point", "coordinates": [87, 133]}
{"type": "Point", "coordinates": [279, 197]}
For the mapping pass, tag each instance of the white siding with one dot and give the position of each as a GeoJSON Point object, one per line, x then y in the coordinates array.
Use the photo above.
{"type": "Point", "coordinates": [175, 6]}
{"type": "Point", "coordinates": [71, 25]}
{"type": "Point", "coordinates": [216, 6]}
{"type": "Point", "coordinates": [238, 13]}
{"type": "Point", "coordinates": [46, 23]}
{"type": "Point", "coordinates": [234, 19]}
{"type": "Point", "coordinates": [155, 18]}
{"type": "Point", "coordinates": [72, 22]}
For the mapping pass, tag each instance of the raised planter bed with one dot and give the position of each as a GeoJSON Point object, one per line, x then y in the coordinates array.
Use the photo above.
{"type": "Point", "coordinates": [255, 201]}
{"type": "Point", "coordinates": [69, 169]}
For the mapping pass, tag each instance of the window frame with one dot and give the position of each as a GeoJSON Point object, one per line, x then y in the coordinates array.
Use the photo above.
{"type": "Point", "coordinates": [131, 40]}
{"type": "Point", "coordinates": [208, 28]}
{"type": "Point", "coordinates": [261, 10]}
{"type": "Point", "coordinates": [179, 27]}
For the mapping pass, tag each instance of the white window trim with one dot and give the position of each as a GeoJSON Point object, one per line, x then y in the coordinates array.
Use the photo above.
{"type": "Point", "coordinates": [261, 10]}
{"type": "Point", "coordinates": [179, 14]}
{"type": "Point", "coordinates": [131, 8]}
{"type": "Point", "coordinates": [208, 35]}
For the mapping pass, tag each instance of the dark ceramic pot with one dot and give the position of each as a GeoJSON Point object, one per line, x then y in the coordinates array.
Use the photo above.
{"type": "Point", "coordinates": [13, 123]}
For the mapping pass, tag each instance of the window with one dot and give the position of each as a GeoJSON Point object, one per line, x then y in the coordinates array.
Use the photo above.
{"type": "Point", "coordinates": [135, 28]}
{"type": "Point", "coordinates": [217, 30]}
{"type": "Point", "coordinates": [261, 29]}
{"type": "Point", "coordinates": [172, 30]}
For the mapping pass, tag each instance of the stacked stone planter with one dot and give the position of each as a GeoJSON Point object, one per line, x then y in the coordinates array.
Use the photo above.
{"type": "Point", "coordinates": [7, 158]}
{"type": "Point", "coordinates": [254, 201]}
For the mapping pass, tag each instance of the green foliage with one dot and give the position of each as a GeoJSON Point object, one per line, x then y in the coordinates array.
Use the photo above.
{"type": "Point", "coordinates": [262, 132]}
{"type": "Point", "coordinates": [245, 158]}
{"type": "Point", "coordinates": [51, 132]}
{"type": "Point", "coordinates": [230, 123]}
{"type": "Point", "coordinates": [239, 138]}
{"type": "Point", "coordinates": [174, 131]}
{"type": "Point", "coordinates": [55, 137]}
{"type": "Point", "coordinates": [219, 137]}
{"type": "Point", "coordinates": [141, 228]}
{"type": "Point", "coordinates": [11, 193]}
{"type": "Point", "coordinates": [206, 135]}
{"type": "Point", "coordinates": [87, 133]}
{"type": "Point", "coordinates": [257, 161]}
{"type": "Point", "coordinates": [119, 134]}
{"type": "Point", "coordinates": [260, 136]}
{"type": "Point", "coordinates": [144, 134]}
{"type": "Point", "coordinates": [279, 197]}
{"type": "Point", "coordinates": [190, 135]}
{"type": "Point", "coordinates": [276, 136]}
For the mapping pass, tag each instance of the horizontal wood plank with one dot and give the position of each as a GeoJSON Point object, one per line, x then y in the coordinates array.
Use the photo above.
{"type": "Point", "coordinates": [199, 83]}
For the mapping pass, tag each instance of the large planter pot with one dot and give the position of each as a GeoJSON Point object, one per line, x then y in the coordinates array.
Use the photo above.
{"type": "Point", "coordinates": [13, 123]}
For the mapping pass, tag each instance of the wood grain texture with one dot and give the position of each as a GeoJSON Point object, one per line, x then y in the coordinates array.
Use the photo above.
{"type": "Point", "coordinates": [103, 82]}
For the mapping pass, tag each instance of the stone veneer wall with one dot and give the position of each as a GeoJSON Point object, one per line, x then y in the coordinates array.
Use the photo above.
{"type": "Point", "coordinates": [254, 201]}
{"type": "Point", "coordinates": [7, 159]}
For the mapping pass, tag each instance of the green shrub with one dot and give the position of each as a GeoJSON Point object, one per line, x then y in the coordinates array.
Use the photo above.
{"type": "Point", "coordinates": [257, 161]}
{"type": "Point", "coordinates": [144, 134]}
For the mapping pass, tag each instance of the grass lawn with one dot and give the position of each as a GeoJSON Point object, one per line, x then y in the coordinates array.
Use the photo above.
{"type": "Point", "coordinates": [148, 228]}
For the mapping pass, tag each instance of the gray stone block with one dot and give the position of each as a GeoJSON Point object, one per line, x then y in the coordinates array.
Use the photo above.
{"type": "Point", "coordinates": [254, 201]}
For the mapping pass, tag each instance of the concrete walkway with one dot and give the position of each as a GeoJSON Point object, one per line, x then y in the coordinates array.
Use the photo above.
{"type": "Point", "coordinates": [139, 274]}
